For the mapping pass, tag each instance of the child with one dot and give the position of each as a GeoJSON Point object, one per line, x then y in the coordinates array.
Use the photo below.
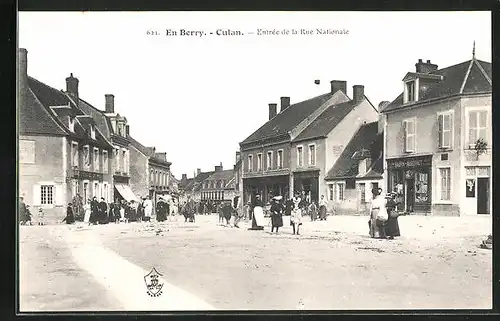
{"type": "Point", "coordinates": [40, 216]}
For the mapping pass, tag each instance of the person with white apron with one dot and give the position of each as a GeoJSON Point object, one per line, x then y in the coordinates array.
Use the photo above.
{"type": "Point", "coordinates": [148, 209]}
{"type": "Point", "coordinates": [257, 214]}
{"type": "Point", "coordinates": [296, 217]}
{"type": "Point", "coordinates": [86, 208]}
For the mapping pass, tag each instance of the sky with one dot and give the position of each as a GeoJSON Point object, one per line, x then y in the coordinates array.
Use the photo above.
{"type": "Point", "coordinates": [196, 98]}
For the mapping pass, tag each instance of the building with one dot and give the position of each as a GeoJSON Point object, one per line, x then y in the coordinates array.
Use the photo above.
{"type": "Point", "coordinates": [274, 139]}
{"type": "Point", "coordinates": [192, 187]}
{"type": "Point", "coordinates": [438, 139]}
{"type": "Point", "coordinates": [320, 145]}
{"type": "Point", "coordinates": [220, 186]}
{"type": "Point", "coordinates": [62, 151]}
{"type": "Point", "coordinates": [358, 170]}
{"type": "Point", "coordinates": [149, 171]}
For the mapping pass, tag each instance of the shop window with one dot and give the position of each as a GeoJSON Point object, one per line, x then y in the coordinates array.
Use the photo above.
{"type": "Point", "coordinates": [422, 186]}
{"type": "Point", "coordinates": [445, 181]}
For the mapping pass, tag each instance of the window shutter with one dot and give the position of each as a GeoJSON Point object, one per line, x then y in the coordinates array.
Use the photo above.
{"type": "Point", "coordinates": [58, 191]}
{"type": "Point", "coordinates": [404, 136]}
{"type": "Point", "coordinates": [440, 131]}
{"type": "Point", "coordinates": [450, 123]}
{"type": "Point", "coordinates": [36, 196]}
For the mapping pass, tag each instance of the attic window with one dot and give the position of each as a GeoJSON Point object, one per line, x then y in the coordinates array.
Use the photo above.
{"type": "Point", "coordinates": [410, 93]}
{"type": "Point", "coordinates": [72, 124]}
{"type": "Point", "coordinates": [92, 132]}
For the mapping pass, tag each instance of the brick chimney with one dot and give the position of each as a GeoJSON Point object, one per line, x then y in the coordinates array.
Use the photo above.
{"type": "Point", "coordinates": [425, 67]}
{"type": "Point", "coordinates": [72, 86]}
{"type": "Point", "coordinates": [238, 156]}
{"type": "Point", "coordinates": [272, 110]}
{"type": "Point", "coordinates": [198, 171]}
{"type": "Point", "coordinates": [285, 103]}
{"type": "Point", "coordinates": [127, 130]}
{"type": "Point", "coordinates": [184, 177]}
{"type": "Point", "coordinates": [358, 93]}
{"type": "Point", "coordinates": [337, 85]}
{"type": "Point", "coordinates": [110, 103]}
{"type": "Point", "coordinates": [23, 68]}
{"type": "Point", "coordinates": [161, 156]}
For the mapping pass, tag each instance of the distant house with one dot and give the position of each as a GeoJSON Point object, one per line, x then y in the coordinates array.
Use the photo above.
{"type": "Point", "coordinates": [439, 138]}
{"type": "Point", "coordinates": [220, 186]}
{"type": "Point", "coordinates": [192, 187]}
{"type": "Point", "coordinates": [316, 148]}
{"type": "Point", "coordinates": [357, 171]}
{"type": "Point", "coordinates": [62, 151]}
{"type": "Point", "coordinates": [266, 154]}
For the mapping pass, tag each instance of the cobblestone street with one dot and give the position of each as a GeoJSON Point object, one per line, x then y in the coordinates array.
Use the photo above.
{"type": "Point", "coordinates": [333, 265]}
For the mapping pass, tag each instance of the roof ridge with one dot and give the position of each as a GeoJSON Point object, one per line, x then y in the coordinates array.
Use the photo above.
{"type": "Point", "coordinates": [452, 66]}
{"type": "Point", "coordinates": [483, 72]}
{"type": "Point", "coordinates": [55, 120]}
{"type": "Point", "coordinates": [467, 73]}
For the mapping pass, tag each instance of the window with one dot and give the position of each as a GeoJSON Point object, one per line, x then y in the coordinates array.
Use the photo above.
{"type": "Point", "coordinates": [105, 192]}
{"type": "Point", "coordinates": [362, 192]}
{"type": "Point", "coordinates": [86, 157]}
{"type": "Point", "coordinates": [85, 191]}
{"type": "Point", "coordinates": [124, 160]}
{"type": "Point", "coordinates": [269, 160]}
{"type": "Point", "coordinates": [259, 162]}
{"type": "Point", "coordinates": [96, 159]}
{"type": "Point", "coordinates": [47, 194]}
{"type": "Point", "coordinates": [117, 160]}
{"type": "Point", "coordinates": [312, 155]}
{"type": "Point", "coordinates": [250, 163]}
{"type": "Point", "coordinates": [409, 135]}
{"type": "Point", "coordinates": [340, 191]}
{"type": "Point", "coordinates": [92, 132]}
{"type": "Point", "coordinates": [445, 125]}
{"type": "Point", "coordinates": [74, 154]}
{"type": "Point", "coordinates": [410, 91]}
{"type": "Point", "coordinates": [151, 177]}
{"type": "Point", "coordinates": [105, 161]}
{"type": "Point", "coordinates": [96, 190]}
{"type": "Point", "coordinates": [279, 159]}
{"type": "Point", "coordinates": [477, 126]}
{"type": "Point", "coordinates": [445, 181]}
{"type": "Point", "coordinates": [300, 156]}
{"type": "Point", "coordinates": [330, 192]}
{"type": "Point", "coordinates": [72, 124]}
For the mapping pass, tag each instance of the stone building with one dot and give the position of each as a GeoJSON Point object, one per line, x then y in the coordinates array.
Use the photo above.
{"type": "Point", "coordinates": [438, 139]}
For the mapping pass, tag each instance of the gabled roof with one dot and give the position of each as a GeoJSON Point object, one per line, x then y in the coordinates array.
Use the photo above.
{"type": "Point", "coordinates": [224, 175]}
{"type": "Point", "coordinates": [346, 166]}
{"type": "Point", "coordinates": [147, 151]}
{"type": "Point", "coordinates": [327, 121]}
{"type": "Point", "coordinates": [376, 170]}
{"type": "Point", "coordinates": [288, 119]}
{"type": "Point", "coordinates": [472, 76]}
{"type": "Point", "coordinates": [102, 122]}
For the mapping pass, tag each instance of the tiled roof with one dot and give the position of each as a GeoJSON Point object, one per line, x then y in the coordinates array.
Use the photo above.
{"type": "Point", "coordinates": [102, 122]}
{"type": "Point", "coordinates": [225, 175]}
{"type": "Point", "coordinates": [200, 178]}
{"type": "Point", "coordinates": [451, 84]}
{"type": "Point", "coordinates": [327, 121]}
{"type": "Point", "coordinates": [288, 119]}
{"type": "Point", "coordinates": [184, 184]}
{"type": "Point", "coordinates": [346, 166]}
{"type": "Point", "coordinates": [148, 151]}
{"type": "Point", "coordinates": [377, 169]}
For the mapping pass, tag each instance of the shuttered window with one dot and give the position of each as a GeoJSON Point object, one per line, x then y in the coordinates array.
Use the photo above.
{"type": "Point", "coordinates": [445, 125]}
{"type": "Point", "coordinates": [409, 135]}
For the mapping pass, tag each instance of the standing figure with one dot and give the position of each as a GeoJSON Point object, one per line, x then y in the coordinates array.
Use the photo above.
{"type": "Point", "coordinates": [94, 211]}
{"type": "Point", "coordinates": [87, 211]}
{"type": "Point", "coordinates": [237, 210]}
{"type": "Point", "coordinates": [313, 211]}
{"type": "Point", "coordinates": [70, 217]}
{"type": "Point", "coordinates": [23, 212]}
{"type": "Point", "coordinates": [103, 211]}
{"type": "Point", "coordinates": [140, 210]}
{"type": "Point", "coordinates": [378, 214]}
{"type": "Point", "coordinates": [392, 225]}
{"type": "Point", "coordinates": [161, 210]}
{"type": "Point", "coordinates": [227, 211]}
{"type": "Point", "coordinates": [288, 207]}
{"type": "Point", "coordinates": [148, 209]}
{"type": "Point", "coordinates": [323, 204]}
{"type": "Point", "coordinates": [123, 212]}
{"type": "Point", "coordinates": [117, 211]}
{"type": "Point", "coordinates": [41, 215]}
{"type": "Point", "coordinates": [296, 217]}
{"type": "Point", "coordinates": [257, 214]}
{"type": "Point", "coordinates": [276, 214]}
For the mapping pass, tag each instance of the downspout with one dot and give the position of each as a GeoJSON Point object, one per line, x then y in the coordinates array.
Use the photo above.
{"type": "Point", "coordinates": [384, 152]}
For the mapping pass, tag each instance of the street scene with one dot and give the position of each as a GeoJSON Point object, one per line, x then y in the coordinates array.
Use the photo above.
{"type": "Point", "coordinates": [200, 188]}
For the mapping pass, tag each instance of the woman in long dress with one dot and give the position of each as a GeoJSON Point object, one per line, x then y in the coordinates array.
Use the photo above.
{"type": "Point", "coordinates": [296, 217]}
{"type": "Point", "coordinates": [148, 209]}
{"type": "Point", "coordinates": [276, 214]}
{"type": "Point", "coordinates": [377, 205]}
{"type": "Point", "coordinates": [392, 225]}
{"type": "Point", "coordinates": [322, 208]}
{"type": "Point", "coordinates": [86, 208]}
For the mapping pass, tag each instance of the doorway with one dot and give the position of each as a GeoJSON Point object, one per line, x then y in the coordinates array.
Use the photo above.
{"type": "Point", "coordinates": [483, 192]}
{"type": "Point", "coordinates": [410, 194]}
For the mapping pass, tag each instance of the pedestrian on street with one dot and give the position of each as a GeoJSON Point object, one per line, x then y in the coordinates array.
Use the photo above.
{"type": "Point", "coordinates": [323, 203]}
{"type": "Point", "coordinates": [148, 209]}
{"type": "Point", "coordinates": [41, 215]}
{"type": "Point", "coordinates": [87, 212]}
{"type": "Point", "coordinates": [296, 217]}
{"type": "Point", "coordinates": [227, 211]}
{"type": "Point", "coordinates": [237, 210]}
{"type": "Point", "coordinates": [313, 211]}
{"type": "Point", "coordinates": [117, 211]}
{"type": "Point", "coordinates": [288, 207]}
{"type": "Point", "coordinates": [24, 216]}
{"type": "Point", "coordinates": [140, 210]}
{"type": "Point", "coordinates": [94, 211]}
{"type": "Point", "coordinates": [257, 214]}
{"type": "Point", "coordinates": [378, 214]}
{"type": "Point", "coordinates": [276, 213]}
{"type": "Point", "coordinates": [161, 210]}
{"type": "Point", "coordinates": [70, 217]}
{"type": "Point", "coordinates": [392, 225]}
{"type": "Point", "coordinates": [103, 211]}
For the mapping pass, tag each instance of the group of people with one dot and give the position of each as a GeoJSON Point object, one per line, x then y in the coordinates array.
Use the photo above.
{"type": "Point", "coordinates": [383, 221]}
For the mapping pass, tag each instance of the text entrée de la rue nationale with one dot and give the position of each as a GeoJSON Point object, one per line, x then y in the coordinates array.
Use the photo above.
{"type": "Point", "coordinates": [256, 32]}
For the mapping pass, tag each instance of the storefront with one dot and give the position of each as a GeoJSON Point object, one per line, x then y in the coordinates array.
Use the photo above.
{"type": "Point", "coordinates": [477, 190]}
{"type": "Point", "coordinates": [308, 182]}
{"type": "Point", "coordinates": [266, 187]}
{"type": "Point", "coordinates": [410, 178]}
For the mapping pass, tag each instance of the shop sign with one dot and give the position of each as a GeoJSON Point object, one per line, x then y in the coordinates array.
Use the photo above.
{"type": "Point", "coordinates": [410, 162]}
{"type": "Point", "coordinates": [470, 190]}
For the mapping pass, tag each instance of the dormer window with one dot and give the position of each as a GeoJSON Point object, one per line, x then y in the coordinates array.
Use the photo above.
{"type": "Point", "coordinates": [92, 132]}
{"type": "Point", "coordinates": [72, 124]}
{"type": "Point", "coordinates": [410, 92]}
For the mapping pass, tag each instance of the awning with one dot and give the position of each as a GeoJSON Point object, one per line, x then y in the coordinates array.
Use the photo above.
{"type": "Point", "coordinates": [126, 192]}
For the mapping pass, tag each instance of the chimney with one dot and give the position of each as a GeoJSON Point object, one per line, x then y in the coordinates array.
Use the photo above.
{"type": "Point", "coordinates": [358, 93]}
{"type": "Point", "coordinates": [72, 85]}
{"type": "Point", "coordinates": [381, 117]}
{"type": "Point", "coordinates": [23, 67]}
{"type": "Point", "coordinates": [184, 177]}
{"type": "Point", "coordinates": [127, 130]}
{"type": "Point", "coordinates": [337, 85]}
{"type": "Point", "coordinates": [161, 156]}
{"type": "Point", "coordinates": [110, 103]}
{"type": "Point", "coordinates": [238, 156]}
{"type": "Point", "coordinates": [285, 103]}
{"type": "Point", "coordinates": [198, 171]}
{"type": "Point", "coordinates": [272, 110]}
{"type": "Point", "coordinates": [425, 67]}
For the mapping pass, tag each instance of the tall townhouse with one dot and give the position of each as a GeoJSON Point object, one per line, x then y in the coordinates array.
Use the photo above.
{"type": "Point", "coordinates": [438, 139]}
{"type": "Point", "coordinates": [62, 152]}
{"type": "Point", "coordinates": [319, 146]}
{"type": "Point", "coordinates": [220, 186]}
{"type": "Point", "coordinates": [267, 153]}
